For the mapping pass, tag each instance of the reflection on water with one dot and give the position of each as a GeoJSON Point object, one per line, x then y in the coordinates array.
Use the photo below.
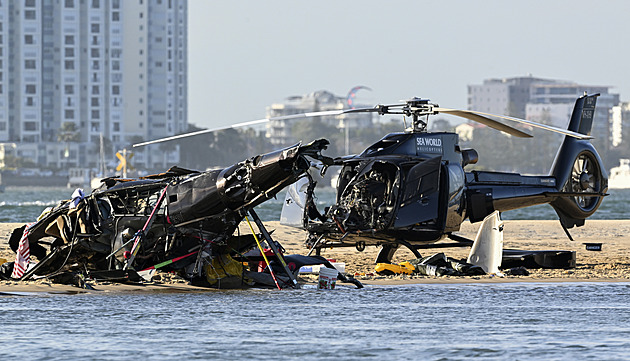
{"type": "Point", "coordinates": [450, 322]}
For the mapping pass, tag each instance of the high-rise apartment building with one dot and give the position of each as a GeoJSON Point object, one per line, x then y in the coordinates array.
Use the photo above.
{"type": "Point", "coordinates": [72, 70]}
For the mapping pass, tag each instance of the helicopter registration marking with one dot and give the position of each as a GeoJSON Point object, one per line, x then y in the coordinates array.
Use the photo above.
{"type": "Point", "coordinates": [429, 145]}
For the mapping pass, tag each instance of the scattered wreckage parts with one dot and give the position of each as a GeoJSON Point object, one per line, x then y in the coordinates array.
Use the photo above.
{"type": "Point", "coordinates": [514, 262]}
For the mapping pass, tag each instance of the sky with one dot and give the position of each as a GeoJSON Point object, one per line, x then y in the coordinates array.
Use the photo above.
{"type": "Point", "coordinates": [246, 55]}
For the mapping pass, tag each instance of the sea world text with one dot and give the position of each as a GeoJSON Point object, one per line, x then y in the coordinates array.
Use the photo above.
{"type": "Point", "coordinates": [429, 145]}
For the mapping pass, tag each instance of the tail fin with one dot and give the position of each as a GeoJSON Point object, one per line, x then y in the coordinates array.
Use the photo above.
{"type": "Point", "coordinates": [578, 169]}
{"type": "Point", "coordinates": [583, 114]}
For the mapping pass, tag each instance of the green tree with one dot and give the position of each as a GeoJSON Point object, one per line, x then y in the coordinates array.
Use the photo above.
{"type": "Point", "coordinates": [68, 133]}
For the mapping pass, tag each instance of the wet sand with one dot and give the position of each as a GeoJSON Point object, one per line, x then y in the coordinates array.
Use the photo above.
{"type": "Point", "coordinates": [612, 264]}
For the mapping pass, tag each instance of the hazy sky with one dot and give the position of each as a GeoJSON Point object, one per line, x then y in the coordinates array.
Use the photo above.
{"type": "Point", "coordinates": [245, 55]}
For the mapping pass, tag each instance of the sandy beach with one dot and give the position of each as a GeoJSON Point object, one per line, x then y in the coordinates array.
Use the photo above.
{"type": "Point", "coordinates": [612, 264]}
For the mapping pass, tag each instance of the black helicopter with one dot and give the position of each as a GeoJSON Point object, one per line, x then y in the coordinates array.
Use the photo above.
{"type": "Point", "coordinates": [409, 188]}
{"type": "Point", "coordinates": [412, 189]}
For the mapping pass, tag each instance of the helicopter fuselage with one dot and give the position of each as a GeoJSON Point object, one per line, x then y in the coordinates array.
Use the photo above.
{"type": "Point", "coordinates": [411, 188]}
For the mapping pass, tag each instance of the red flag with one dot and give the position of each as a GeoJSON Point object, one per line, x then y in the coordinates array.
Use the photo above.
{"type": "Point", "coordinates": [23, 255]}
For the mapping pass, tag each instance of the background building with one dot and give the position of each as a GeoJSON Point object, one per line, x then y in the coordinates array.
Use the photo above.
{"type": "Point", "coordinates": [279, 132]}
{"type": "Point", "coordinates": [72, 70]}
{"type": "Point", "coordinates": [546, 101]}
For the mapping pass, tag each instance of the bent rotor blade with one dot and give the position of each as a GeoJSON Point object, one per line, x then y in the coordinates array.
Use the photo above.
{"type": "Point", "coordinates": [524, 121]}
{"type": "Point", "coordinates": [243, 124]}
{"type": "Point", "coordinates": [483, 120]}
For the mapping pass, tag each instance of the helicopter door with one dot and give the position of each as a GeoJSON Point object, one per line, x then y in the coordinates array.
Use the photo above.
{"type": "Point", "coordinates": [420, 194]}
{"type": "Point", "coordinates": [295, 204]}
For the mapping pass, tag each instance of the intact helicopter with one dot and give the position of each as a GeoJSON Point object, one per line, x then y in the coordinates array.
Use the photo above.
{"type": "Point", "coordinates": [410, 188]}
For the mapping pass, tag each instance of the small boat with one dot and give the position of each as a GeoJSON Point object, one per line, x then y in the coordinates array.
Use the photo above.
{"type": "Point", "coordinates": [620, 176]}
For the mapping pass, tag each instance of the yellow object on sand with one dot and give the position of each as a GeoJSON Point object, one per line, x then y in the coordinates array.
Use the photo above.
{"type": "Point", "coordinates": [224, 269]}
{"type": "Point", "coordinates": [388, 268]}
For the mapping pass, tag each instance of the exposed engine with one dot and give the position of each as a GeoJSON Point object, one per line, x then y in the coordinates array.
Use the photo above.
{"type": "Point", "coordinates": [368, 196]}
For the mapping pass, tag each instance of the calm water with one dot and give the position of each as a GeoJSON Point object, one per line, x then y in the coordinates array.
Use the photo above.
{"type": "Point", "coordinates": [25, 204]}
{"type": "Point", "coordinates": [435, 322]}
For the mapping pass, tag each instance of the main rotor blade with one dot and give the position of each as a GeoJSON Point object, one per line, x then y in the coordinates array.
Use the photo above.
{"type": "Point", "coordinates": [484, 120]}
{"type": "Point", "coordinates": [529, 122]}
{"type": "Point", "coordinates": [240, 125]}
{"type": "Point", "coordinates": [204, 131]}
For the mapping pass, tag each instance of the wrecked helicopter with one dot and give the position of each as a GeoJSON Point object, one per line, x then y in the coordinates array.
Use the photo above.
{"type": "Point", "coordinates": [181, 220]}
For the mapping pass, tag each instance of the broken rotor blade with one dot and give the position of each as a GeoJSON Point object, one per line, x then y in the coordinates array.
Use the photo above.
{"type": "Point", "coordinates": [519, 120]}
{"type": "Point", "coordinates": [243, 124]}
{"type": "Point", "coordinates": [484, 120]}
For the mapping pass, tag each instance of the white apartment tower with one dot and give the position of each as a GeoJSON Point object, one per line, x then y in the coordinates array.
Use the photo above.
{"type": "Point", "coordinates": [110, 67]}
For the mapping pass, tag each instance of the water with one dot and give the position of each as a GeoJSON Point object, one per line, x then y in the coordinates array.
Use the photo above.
{"type": "Point", "coordinates": [25, 204]}
{"type": "Point", "coordinates": [525, 321]}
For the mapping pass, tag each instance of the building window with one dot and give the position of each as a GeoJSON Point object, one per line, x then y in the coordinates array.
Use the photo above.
{"type": "Point", "coordinates": [96, 114]}
{"type": "Point", "coordinates": [95, 65]}
{"type": "Point", "coordinates": [29, 3]}
{"type": "Point", "coordinates": [68, 52]}
{"type": "Point", "coordinates": [28, 39]}
{"type": "Point", "coordinates": [95, 89]}
{"type": "Point", "coordinates": [69, 65]}
{"type": "Point", "coordinates": [95, 28]}
{"type": "Point", "coordinates": [115, 16]}
{"type": "Point", "coordinates": [116, 4]}
{"type": "Point", "coordinates": [29, 14]}
{"type": "Point", "coordinates": [69, 3]}
{"type": "Point", "coordinates": [96, 4]}
{"type": "Point", "coordinates": [115, 65]}
{"type": "Point", "coordinates": [69, 39]}
{"type": "Point", "coordinates": [116, 127]}
{"type": "Point", "coordinates": [116, 90]}
{"type": "Point", "coordinates": [30, 89]}
{"type": "Point", "coordinates": [30, 126]}
{"type": "Point", "coordinates": [69, 89]}
{"type": "Point", "coordinates": [69, 114]}
{"type": "Point", "coordinates": [95, 53]}
{"type": "Point", "coordinates": [29, 64]}
{"type": "Point", "coordinates": [29, 101]}
{"type": "Point", "coordinates": [94, 102]}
